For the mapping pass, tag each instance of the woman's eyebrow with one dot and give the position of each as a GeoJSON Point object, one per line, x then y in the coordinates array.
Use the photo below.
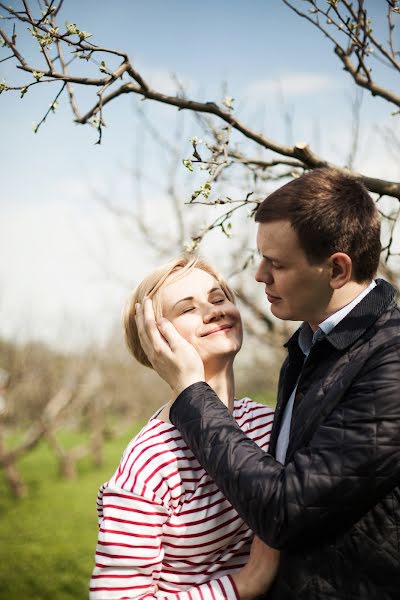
{"type": "Point", "coordinates": [183, 300]}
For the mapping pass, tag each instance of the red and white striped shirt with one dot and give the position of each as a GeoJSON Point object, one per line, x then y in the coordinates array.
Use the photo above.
{"type": "Point", "coordinates": [165, 529]}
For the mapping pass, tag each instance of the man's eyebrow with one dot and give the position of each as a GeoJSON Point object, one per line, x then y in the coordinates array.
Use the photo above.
{"type": "Point", "coordinates": [269, 258]}
{"type": "Point", "coordinates": [214, 289]}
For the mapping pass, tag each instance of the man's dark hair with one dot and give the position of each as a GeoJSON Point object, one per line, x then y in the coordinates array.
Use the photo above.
{"type": "Point", "coordinates": [330, 212]}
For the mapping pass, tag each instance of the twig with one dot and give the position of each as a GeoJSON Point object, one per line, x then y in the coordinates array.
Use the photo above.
{"type": "Point", "coordinates": [51, 108]}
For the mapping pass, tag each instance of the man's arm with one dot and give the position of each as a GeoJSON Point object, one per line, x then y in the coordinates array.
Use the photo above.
{"type": "Point", "coordinates": [347, 467]}
{"type": "Point", "coordinates": [350, 463]}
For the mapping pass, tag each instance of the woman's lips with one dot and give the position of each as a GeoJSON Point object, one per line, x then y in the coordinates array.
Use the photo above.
{"type": "Point", "coordinates": [217, 329]}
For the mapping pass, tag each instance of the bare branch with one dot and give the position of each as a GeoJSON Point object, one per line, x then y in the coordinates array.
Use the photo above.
{"type": "Point", "coordinates": [355, 138]}
{"type": "Point", "coordinates": [14, 49]}
{"type": "Point", "coordinates": [52, 108]}
{"type": "Point", "coordinates": [366, 82]}
{"type": "Point", "coordinates": [300, 151]}
{"type": "Point", "coordinates": [299, 155]}
{"type": "Point", "coordinates": [357, 27]}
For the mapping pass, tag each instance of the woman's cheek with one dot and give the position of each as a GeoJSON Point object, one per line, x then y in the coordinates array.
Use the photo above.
{"type": "Point", "coordinates": [185, 332]}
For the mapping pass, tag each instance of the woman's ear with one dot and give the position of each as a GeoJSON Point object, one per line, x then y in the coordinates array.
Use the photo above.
{"type": "Point", "coordinates": [341, 269]}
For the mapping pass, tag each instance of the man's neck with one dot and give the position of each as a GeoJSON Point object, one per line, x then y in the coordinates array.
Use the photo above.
{"type": "Point", "coordinates": [339, 299]}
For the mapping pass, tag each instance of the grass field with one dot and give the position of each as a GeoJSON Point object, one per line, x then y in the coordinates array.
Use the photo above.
{"type": "Point", "coordinates": [48, 539]}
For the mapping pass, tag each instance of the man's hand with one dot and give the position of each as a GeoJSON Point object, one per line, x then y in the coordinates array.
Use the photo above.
{"type": "Point", "coordinates": [174, 359]}
{"type": "Point", "coordinates": [256, 577]}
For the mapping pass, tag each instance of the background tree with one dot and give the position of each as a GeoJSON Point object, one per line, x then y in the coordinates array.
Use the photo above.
{"type": "Point", "coordinates": [237, 154]}
{"type": "Point", "coordinates": [68, 59]}
{"type": "Point", "coordinates": [232, 164]}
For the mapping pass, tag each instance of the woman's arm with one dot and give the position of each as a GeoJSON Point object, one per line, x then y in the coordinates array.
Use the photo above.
{"type": "Point", "coordinates": [256, 577]}
{"type": "Point", "coordinates": [129, 555]}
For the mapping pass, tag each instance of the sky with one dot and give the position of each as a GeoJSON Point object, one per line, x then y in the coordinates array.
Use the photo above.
{"type": "Point", "coordinates": [67, 264]}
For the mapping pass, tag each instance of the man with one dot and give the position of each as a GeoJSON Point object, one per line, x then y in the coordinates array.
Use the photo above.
{"type": "Point", "coordinates": [327, 495]}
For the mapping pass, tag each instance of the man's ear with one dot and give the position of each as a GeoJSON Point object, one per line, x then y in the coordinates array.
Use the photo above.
{"type": "Point", "coordinates": [341, 269]}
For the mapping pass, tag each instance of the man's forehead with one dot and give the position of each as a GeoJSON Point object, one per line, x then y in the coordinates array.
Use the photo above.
{"type": "Point", "coordinates": [276, 235]}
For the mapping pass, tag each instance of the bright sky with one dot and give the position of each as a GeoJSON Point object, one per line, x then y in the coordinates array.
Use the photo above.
{"type": "Point", "coordinates": [65, 266]}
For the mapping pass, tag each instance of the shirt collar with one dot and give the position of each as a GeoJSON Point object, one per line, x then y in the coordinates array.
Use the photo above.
{"type": "Point", "coordinates": [308, 338]}
{"type": "Point", "coordinates": [333, 320]}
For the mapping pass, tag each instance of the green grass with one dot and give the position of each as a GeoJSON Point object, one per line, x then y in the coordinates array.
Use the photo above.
{"type": "Point", "coordinates": [268, 397]}
{"type": "Point", "coordinates": [48, 538]}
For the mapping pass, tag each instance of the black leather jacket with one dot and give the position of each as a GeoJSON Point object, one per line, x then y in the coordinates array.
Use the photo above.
{"type": "Point", "coordinates": [334, 507]}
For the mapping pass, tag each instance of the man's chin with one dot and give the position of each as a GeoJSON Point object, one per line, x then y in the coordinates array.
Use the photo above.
{"type": "Point", "coordinates": [281, 313]}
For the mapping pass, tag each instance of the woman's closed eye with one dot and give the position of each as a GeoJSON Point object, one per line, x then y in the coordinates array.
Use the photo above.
{"type": "Point", "coordinates": [187, 309]}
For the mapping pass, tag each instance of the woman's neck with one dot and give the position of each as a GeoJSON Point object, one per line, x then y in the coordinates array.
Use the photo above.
{"type": "Point", "coordinates": [222, 380]}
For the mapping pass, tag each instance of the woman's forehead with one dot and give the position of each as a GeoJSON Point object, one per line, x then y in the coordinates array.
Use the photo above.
{"type": "Point", "coordinates": [190, 283]}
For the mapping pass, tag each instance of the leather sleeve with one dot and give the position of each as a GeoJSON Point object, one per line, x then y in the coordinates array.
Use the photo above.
{"type": "Point", "coordinates": [351, 461]}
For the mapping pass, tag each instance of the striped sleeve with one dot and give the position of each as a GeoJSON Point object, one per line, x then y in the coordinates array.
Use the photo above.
{"type": "Point", "coordinates": [129, 553]}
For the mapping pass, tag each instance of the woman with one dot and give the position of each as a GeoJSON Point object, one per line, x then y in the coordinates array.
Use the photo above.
{"type": "Point", "coordinates": [164, 527]}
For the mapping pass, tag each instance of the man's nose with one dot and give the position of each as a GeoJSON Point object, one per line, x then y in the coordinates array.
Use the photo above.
{"type": "Point", "coordinates": [263, 274]}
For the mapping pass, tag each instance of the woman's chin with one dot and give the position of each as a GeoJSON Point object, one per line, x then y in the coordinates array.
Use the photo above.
{"type": "Point", "coordinates": [220, 359]}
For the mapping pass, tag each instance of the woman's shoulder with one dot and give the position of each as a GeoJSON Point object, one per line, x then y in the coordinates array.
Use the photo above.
{"type": "Point", "coordinates": [246, 407]}
{"type": "Point", "coordinates": [149, 464]}
{"type": "Point", "coordinates": [255, 420]}
{"type": "Point", "coordinates": [155, 439]}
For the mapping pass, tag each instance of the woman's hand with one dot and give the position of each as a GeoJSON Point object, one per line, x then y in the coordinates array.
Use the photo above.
{"type": "Point", "coordinates": [256, 577]}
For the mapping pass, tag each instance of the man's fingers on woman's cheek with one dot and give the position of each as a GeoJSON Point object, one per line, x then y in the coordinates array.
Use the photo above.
{"type": "Point", "coordinates": [139, 320]}
{"type": "Point", "coordinates": [169, 332]}
{"type": "Point", "coordinates": [148, 309]}
{"type": "Point", "coordinates": [139, 314]}
{"type": "Point", "coordinates": [143, 332]}
{"type": "Point", "coordinates": [149, 321]}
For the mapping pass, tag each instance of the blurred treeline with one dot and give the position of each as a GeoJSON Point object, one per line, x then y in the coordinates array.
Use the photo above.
{"type": "Point", "coordinates": [65, 419]}
{"type": "Point", "coordinates": [101, 391]}
{"type": "Point", "coordinates": [37, 372]}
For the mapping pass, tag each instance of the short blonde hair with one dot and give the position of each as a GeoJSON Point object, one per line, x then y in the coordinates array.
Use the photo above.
{"type": "Point", "coordinates": [150, 287]}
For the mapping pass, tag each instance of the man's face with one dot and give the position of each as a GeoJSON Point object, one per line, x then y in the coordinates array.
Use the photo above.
{"type": "Point", "coordinates": [296, 289]}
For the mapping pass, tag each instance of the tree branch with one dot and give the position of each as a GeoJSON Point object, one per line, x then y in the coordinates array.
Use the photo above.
{"type": "Point", "coordinates": [366, 82]}
{"type": "Point", "coordinates": [299, 155]}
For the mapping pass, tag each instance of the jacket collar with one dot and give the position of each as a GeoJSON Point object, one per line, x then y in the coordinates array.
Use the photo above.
{"type": "Point", "coordinates": [363, 315]}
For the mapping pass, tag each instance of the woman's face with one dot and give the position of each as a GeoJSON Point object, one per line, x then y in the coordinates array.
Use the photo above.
{"type": "Point", "coordinates": [200, 311]}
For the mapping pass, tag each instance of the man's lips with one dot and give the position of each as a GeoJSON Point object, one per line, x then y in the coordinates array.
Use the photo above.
{"type": "Point", "coordinates": [272, 298]}
{"type": "Point", "coordinates": [216, 329]}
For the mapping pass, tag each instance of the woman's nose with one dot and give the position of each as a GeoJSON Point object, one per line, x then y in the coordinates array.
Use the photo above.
{"type": "Point", "coordinates": [214, 313]}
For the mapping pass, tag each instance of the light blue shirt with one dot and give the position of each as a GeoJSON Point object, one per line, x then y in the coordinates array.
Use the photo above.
{"type": "Point", "coordinates": [306, 340]}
